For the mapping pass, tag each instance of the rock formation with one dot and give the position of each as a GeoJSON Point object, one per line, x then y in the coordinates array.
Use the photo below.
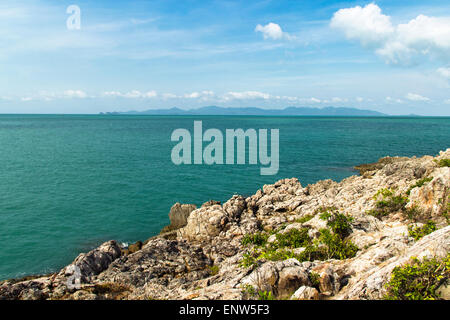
{"type": "Point", "coordinates": [221, 251]}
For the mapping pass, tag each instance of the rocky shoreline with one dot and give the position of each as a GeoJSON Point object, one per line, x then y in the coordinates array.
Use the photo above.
{"type": "Point", "coordinates": [327, 240]}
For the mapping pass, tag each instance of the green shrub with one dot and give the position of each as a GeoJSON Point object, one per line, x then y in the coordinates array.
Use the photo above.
{"type": "Point", "coordinates": [213, 270]}
{"type": "Point", "coordinates": [388, 203]}
{"type": "Point", "coordinates": [258, 239]}
{"type": "Point", "coordinates": [305, 218]}
{"type": "Point", "coordinates": [419, 184]}
{"type": "Point", "coordinates": [418, 280]}
{"type": "Point", "coordinates": [248, 291]}
{"type": "Point", "coordinates": [315, 279]}
{"type": "Point", "coordinates": [338, 222]}
{"type": "Point", "coordinates": [444, 163]}
{"type": "Point", "coordinates": [265, 295]}
{"type": "Point", "coordinates": [249, 259]}
{"type": "Point", "coordinates": [273, 254]}
{"type": "Point", "coordinates": [420, 232]}
{"type": "Point", "coordinates": [294, 238]}
{"type": "Point", "coordinates": [336, 247]}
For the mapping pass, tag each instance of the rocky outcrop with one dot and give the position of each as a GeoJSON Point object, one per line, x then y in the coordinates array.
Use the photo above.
{"type": "Point", "coordinates": [178, 216]}
{"type": "Point", "coordinates": [204, 256]}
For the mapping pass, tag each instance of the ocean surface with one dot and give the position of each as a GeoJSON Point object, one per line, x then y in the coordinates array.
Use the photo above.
{"type": "Point", "coordinates": [68, 183]}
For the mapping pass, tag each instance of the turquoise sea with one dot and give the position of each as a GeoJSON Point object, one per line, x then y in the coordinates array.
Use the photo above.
{"type": "Point", "coordinates": [68, 183]}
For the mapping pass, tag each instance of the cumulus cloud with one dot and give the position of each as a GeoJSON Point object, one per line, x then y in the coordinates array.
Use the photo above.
{"type": "Point", "coordinates": [338, 100]}
{"type": "Point", "coordinates": [75, 94]}
{"type": "Point", "coordinates": [416, 97]}
{"type": "Point", "coordinates": [272, 31]}
{"type": "Point", "coordinates": [246, 95]}
{"type": "Point", "coordinates": [134, 94]}
{"type": "Point", "coordinates": [169, 96]}
{"type": "Point", "coordinates": [403, 44]}
{"type": "Point", "coordinates": [367, 24]}
{"type": "Point", "coordinates": [444, 72]}
{"type": "Point", "coordinates": [313, 100]}
{"type": "Point", "coordinates": [204, 95]}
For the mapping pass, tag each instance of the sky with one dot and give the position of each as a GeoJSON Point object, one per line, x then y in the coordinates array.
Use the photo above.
{"type": "Point", "coordinates": [388, 56]}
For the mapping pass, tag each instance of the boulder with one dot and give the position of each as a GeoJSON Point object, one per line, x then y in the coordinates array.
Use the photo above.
{"type": "Point", "coordinates": [178, 216]}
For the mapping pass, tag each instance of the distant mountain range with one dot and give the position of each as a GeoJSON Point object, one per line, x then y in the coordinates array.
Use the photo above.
{"type": "Point", "coordinates": [290, 111]}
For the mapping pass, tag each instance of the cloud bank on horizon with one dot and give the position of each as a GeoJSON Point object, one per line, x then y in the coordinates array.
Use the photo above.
{"type": "Point", "coordinates": [385, 56]}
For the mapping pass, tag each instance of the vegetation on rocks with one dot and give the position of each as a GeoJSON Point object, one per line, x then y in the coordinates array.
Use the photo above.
{"type": "Point", "coordinates": [257, 239]}
{"type": "Point", "coordinates": [339, 223]}
{"type": "Point", "coordinates": [419, 184]}
{"type": "Point", "coordinates": [330, 244]}
{"type": "Point", "coordinates": [314, 277]}
{"type": "Point", "coordinates": [213, 270]}
{"type": "Point", "coordinates": [444, 163]}
{"type": "Point", "coordinates": [418, 280]}
{"type": "Point", "coordinates": [305, 218]}
{"type": "Point", "coordinates": [419, 232]}
{"type": "Point", "coordinates": [387, 202]}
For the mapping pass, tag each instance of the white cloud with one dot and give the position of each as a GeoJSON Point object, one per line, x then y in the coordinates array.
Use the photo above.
{"type": "Point", "coordinates": [272, 31]}
{"type": "Point", "coordinates": [401, 44]}
{"type": "Point", "coordinates": [416, 97]}
{"type": "Point", "coordinates": [313, 100]}
{"type": "Point", "coordinates": [447, 101]}
{"type": "Point", "coordinates": [338, 100]}
{"type": "Point", "coordinates": [246, 95]}
{"type": "Point", "coordinates": [134, 94]}
{"type": "Point", "coordinates": [394, 100]}
{"type": "Point", "coordinates": [150, 94]}
{"type": "Point", "coordinates": [367, 24]}
{"type": "Point", "coordinates": [444, 72]}
{"type": "Point", "coordinates": [204, 95]}
{"type": "Point", "coordinates": [169, 96]}
{"type": "Point", "coordinates": [75, 94]}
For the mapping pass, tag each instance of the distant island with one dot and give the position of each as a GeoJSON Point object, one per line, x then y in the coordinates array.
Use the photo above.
{"type": "Point", "coordinates": [289, 111]}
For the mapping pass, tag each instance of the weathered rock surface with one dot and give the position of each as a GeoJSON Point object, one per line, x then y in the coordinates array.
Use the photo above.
{"type": "Point", "coordinates": [203, 258]}
{"type": "Point", "coordinates": [178, 216]}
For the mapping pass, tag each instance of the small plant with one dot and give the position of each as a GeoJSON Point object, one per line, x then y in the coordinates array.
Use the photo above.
{"type": "Point", "coordinates": [258, 239]}
{"type": "Point", "coordinates": [314, 277]}
{"type": "Point", "coordinates": [294, 238]}
{"type": "Point", "coordinates": [336, 247]}
{"type": "Point", "coordinates": [272, 254]}
{"type": "Point", "coordinates": [265, 295]}
{"type": "Point", "coordinates": [338, 222]}
{"type": "Point", "coordinates": [248, 291]}
{"type": "Point", "coordinates": [388, 203]}
{"type": "Point", "coordinates": [419, 184]}
{"type": "Point", "coordinates": [413, 212]}
{"type": "Point", "coordinates": [418, 280]}
{"type": "Point", "coordinates": [305, 218]}
{"type": "Point", "coordinates": [444, 163]}
{"type": "Point", "coordinates": [420, 232]}
{"type": "Point", "coordinates": [213, 270]}
{"type": "Point", "coordinates": [249, 259]}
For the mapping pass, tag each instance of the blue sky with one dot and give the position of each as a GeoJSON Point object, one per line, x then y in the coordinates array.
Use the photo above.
{"type": "Point", "coordinates": [389, 56]}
